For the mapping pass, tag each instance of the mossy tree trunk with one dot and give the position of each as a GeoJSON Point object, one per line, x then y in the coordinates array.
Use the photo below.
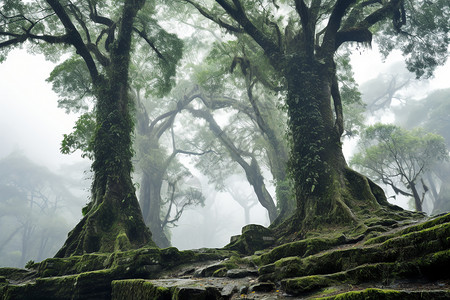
{"type": "Point", "coordinates": [113, 219]}
{"type": "Point", "coordinates": [317, 163]}
{"type": "Point", "coordinates": [302, 52]}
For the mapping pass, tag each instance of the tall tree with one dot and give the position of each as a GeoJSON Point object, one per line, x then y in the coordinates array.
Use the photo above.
{"type": "Point", "coordinates": [102, 35]}
{"type": "Point", "coordinates": [400, 158]}
{"type": "Point", "coordinates": [300, 39]}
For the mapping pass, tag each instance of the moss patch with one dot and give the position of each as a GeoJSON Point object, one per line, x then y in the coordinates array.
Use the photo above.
{"type": "Point", "coordinates": [138, 289]}
{"type": "Point", "coordinates": [380, 294]}
{"type": "Point", "coordinates": [305, 284]}
{"type": "Point", "coordinates": [301, 248]}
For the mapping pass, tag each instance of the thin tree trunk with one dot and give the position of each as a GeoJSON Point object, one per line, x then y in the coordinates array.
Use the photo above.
{"type": "Point", "coordinates": [417, 200]}
{"type": "Point", "coordinates": [151, 208]}
{"type": "Point", "coordinates": [252, 171]}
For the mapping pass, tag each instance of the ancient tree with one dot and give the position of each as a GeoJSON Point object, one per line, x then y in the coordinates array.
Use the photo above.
{"type": "Point", "coordinates": [300, 39]}
{"type": "Point", "coordinates": [103, 37]}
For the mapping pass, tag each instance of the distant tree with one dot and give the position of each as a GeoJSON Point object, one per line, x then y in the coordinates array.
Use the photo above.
{"type": "Point", "coordinates": [400, 158]}
{"type": "Point", "coordinates": [33, 201]}
{"type": "Point", "coordinates": [156, 166]}
{"type": "Point", "coordinates": [246, 160]}
{"type": "Point", "coordinates": [242, 195]}
{"type": "Point", "coordinates": [431, 113]}
{"type": "Point", "coordinates": [102, 36]}
{"type": "Point", "coordinates": [300, 40]}
{"type": "Point", "coordinates": [379, 92]}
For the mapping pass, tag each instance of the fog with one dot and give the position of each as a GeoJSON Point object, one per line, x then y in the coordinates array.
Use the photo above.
{"type": "Point", "coordinates": [32, 127]}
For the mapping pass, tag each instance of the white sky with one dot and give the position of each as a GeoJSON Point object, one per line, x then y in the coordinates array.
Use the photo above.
{"type": "Point", "coordinates": [30, 120]}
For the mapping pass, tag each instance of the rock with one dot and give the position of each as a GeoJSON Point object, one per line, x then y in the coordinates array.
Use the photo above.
{"type": "Point", "coordinates": [264, 287]}
{"type": "Point", "coordinates": [241, 273]}
{"type": "Point", "coordinates": [222, 272]}
{"type": "Point", "coordinates": [254, 237]}
{"type": "Point", "coordinates": [208, 270]}
{"type": "Point", "coordinates": [229, 290]}
{"type": "Point", "coordinates": [149, 269]}
{"type": "Point", "coordinates": [189, 293]}
{"type": "Point", "coordinates": [243, 290]}
{"type": "Point", "coordinates": [234, 238]}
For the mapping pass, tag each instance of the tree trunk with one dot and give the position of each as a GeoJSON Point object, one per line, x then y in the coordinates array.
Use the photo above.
{"type": "Point", "coordinates": [327, 191]}
{"type": "Point", "coordinates": [113, 219]}
{"type": "Point", "coordinates": [252, 170]}
{"type": "Point", "coordinates": [150, 197]}
{"type": "Point", "coordinates": [417, 200]}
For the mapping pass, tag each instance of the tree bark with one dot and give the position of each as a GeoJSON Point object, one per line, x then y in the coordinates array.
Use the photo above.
{"type": "Point", "coordinates": [113, 219]}
{"type": "Point", "coordinates": [327, 191]}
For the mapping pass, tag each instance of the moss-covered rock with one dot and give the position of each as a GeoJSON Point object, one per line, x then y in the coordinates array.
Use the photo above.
{"type": "Point", "coordinates": [380, 294]}
{"type": "Point", "coordinates": [302, 248]}
{"type": "Point", "coordinates": [312, 267]}
{"type": "Point", "coordinates": [253, 238]}
{"type": "Point", "coordinates": [305, 284]}
{"type": "Point", "coordinates": [138, 289]}
{"type": "Point", "coordinates": [414, 228]}
{"type": "Point", "coordinates": [420, 252]}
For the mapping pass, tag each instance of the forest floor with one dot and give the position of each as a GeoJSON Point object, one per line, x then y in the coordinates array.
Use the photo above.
{"type": "Point", "coordinates": [395, 261]}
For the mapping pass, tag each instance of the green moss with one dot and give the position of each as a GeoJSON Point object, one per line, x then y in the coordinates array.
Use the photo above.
{"type": "Point", "coordinates": [380, 294]}
{"type": "Point", "coordinates": [222, 272]}
{"type": "Point", "coordinates": [415, 228]}
{"type": "Point", "coordinates": [328, 291]}
{"type": "Point", "coordinates": [13, 273]}
{"type": "Point", "coordinates": [137, 289]}
{"type": "Point", "coordinates": [307, 284]}
{"type": "Point", "coordinates": [253, 238]}
{"type": "Point", "coordinates": [122, 242]}
{"type": "Point", "coordinates": [301, 248]}
{"type": "Point", "coordinates": [368, 294]}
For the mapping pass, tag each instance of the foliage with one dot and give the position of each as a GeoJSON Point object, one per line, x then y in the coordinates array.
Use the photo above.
{"type": "Point", "coordinates": [421, 32]}
{"type": "Point", "coordinates": [352, 104]}
{"type": "Point", "coordinates": [398, 157]}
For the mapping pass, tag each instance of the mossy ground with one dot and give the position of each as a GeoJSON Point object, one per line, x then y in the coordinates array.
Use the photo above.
{"type": "Point", "coordinates": [402, 261]}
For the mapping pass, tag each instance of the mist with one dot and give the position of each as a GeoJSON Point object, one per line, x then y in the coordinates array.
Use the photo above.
{"type": "Point", "coordinates": [31, 130]}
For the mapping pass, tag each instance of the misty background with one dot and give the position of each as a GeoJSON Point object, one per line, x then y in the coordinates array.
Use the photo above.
{"type": "Point", "coordinates": [43, 191]}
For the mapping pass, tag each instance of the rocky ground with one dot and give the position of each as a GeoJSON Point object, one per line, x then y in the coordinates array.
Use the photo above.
{"type": "Point", "coordinates": [393, 260]}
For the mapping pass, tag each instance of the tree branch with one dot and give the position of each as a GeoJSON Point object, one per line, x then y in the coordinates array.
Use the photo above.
{"type": "Point", "coordinates": [238, 14]}
{"type": "Point", "coordinates": [339, 124]}
{"type": "Point", "coordinates": [334, 23]}
{"type": "Point", "coordinates": [143, 35]}
{"type": "Point", "coordinates": [74, 38]}
{"type": "Point", "coordinates": [216, 20]}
